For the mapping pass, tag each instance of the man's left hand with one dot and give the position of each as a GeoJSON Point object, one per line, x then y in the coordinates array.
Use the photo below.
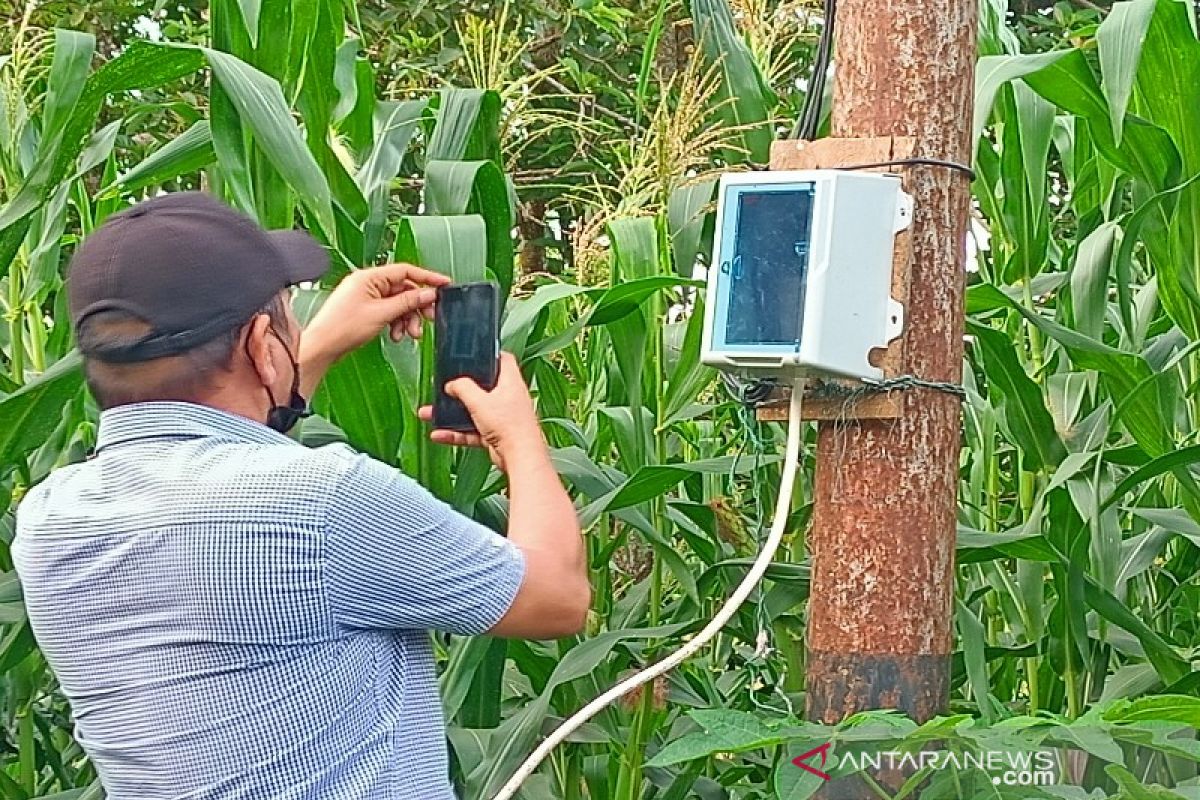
{"type": "Point", "coordinates": [398, 297]}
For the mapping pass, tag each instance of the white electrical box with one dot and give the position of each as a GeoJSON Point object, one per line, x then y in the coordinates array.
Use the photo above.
{"type": "Point", "coordinates": [801, 274]}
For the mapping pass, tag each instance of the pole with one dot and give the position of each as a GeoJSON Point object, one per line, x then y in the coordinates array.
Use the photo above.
{"type": "Point", "coordinates": [879, 614]}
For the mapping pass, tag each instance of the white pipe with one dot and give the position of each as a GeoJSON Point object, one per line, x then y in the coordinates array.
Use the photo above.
{"type": "Point", "coordinates": [726, 612]}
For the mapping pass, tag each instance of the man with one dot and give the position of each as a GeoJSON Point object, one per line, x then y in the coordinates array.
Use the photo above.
{"type": "Point", "coordinates": [229, 613]}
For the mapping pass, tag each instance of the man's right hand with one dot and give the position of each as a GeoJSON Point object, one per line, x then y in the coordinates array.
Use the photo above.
{"type": "Point", "coordinates": [554, 596]}
{"type": "Point", "coordinates": [505, 417]}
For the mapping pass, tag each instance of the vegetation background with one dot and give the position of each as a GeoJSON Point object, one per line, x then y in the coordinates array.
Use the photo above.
{"type": "Point", "coordinates": [432, 130]}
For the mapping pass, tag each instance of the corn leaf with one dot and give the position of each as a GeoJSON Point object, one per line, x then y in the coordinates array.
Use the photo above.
{"type": "Point", "coordinates": [31, 414]}
{"type": "Point", "coordinates": [476, 187]}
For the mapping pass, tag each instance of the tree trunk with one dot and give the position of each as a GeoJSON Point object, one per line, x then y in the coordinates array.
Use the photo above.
{"type": "Point", "coordinates": [883, 533]}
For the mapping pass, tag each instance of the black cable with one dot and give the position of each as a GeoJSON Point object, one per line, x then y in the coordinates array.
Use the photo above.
{"type": "Point", "coordinates": [752, 393]}
{"type": "Point", "coordinates": [917, 162]}
{"type": "Point", "coordinates": [757, 392]}
{"type": "Point", "coordinates": [810, 117]}
{"type": "Point", "coordinates": [807, 127]}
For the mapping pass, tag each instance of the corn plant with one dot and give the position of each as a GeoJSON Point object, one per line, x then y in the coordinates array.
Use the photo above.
{"type": "Point", "coordinates": [1079, 540]}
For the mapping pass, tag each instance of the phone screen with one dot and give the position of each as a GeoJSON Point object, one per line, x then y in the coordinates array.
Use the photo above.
{"type": "Point", "coordinates": [467, 332]}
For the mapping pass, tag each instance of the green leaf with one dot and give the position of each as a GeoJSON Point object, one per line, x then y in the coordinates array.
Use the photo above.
{"type": "Point", "coordinates": [974, 646]}
{"type": "Point", "coordinates": [1146, 150]}
{"type": "Point", "coordinates": [1169, 664]}
{"type": "Point", "coordinates": [1090, 738]}
{"type": "Point", "coordinates": [721, 731]}
{"type": "Point", "coordinates": [689, 377]}
{"type": "Point", "coordinates": [1035, 121]}
{"type": "Point", "coordinates": [316, 431]}
{"type": "Point", "coordinates": [686, 216]}
{"type": "Point", "coordinates": [1089, 279]}
{"type": "Point", "coordinates": [618, 301]}
{"type": "Point", "coordinates": [142, 65]}
{"type": "Point", "coordinates": [316, 101]}
{"type": "Point", "coordinates": [345, 80]}
{"type": "Point", "coordinates": [522, 314]}
{"type": "Point", "coordinates": [1119, 43]}
{"type": "Point", "coordinates": [261, 106]}
{"type": "Point", "coordinates": [12, 609]}
{"type": "Point", "coordinates": [634, 256]}
{"type": "Point", "coordinates": [651, 481]}
{"type": "Point", "coordinates": [1167, 92]}
{"type": "Point", "coordinates": [185, 154]}
{"type": "Point", "coordinates": [515, 737]}
{"type": "Point", "coordinates": [977, 546]}
{"type": "Point", "coordinates": [467, 128]}
{"type": "Point", "coordinates": [1021, 399]}
{"type": "Point", "coordinates": [394, 125]}
{"type": "Point", "coordinates": [1145, 408]}
{"type": "Point", "coordinates": [358, 125]}
{"type": "Point", "coordinates": [31, 414]}
{"type": "Point", "coordinates": [467, 653]}
{"type": "Point", "coordinates": [791, 782]}
{"type": "Point", "coordinates": [73, 51]}
{"type": "Point", "coordinates": [1171, 462]}
{"type": "Point", "coordinates": [15, 646]}
{"type": "Point", "coordinates": [1134, 789]}
{"type": "Point", "coordinates": [250, 12]}
{"type": "Point", "coordinates": [1173, 520]}
{"type": "Point", "coordinates": [1138, 552]}
{"type": "Point", "coordinates": [475, 187]}
{"type": "Point", "coordinates": [481, 707]}
{"type": "Point", "coordinates": [1162, 708]}
{"type": "Point", "coordinates": [360, 396]}
{"type": "Point", "coordinates": [454, 246]}
{"type": "Point", "coordinates": [1151, 217]}
{"type": "Point", "coordinates": [1130, 681]}
{"type": "Point", "coordinates": [742, 98]}
{"type": "Point", "coordinates": [993, 72]}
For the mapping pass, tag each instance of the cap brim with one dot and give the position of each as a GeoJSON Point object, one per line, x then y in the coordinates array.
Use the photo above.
{"type": "Point", "coordinates": [304, 258]}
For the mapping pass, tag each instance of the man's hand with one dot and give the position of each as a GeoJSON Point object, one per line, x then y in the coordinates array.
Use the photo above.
{"type": "Point", "coordinates": [507, 423]}
{"type": "Point", "coordinates": [554, 596]}
{"type": "Point", "coordinates": [396, 296]}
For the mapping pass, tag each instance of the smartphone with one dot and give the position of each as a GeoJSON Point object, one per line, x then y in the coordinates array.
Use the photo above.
{"type": "Point", "coordinates": [466, 344]}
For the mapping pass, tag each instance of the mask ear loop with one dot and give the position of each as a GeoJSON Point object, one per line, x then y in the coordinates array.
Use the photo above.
{"type": "Point", "coordinates": [295, 373]}
{"type": "Point", "coordinates": [284, 418]}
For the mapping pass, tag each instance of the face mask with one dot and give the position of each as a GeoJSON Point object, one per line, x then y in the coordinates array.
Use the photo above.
{"type": "Point", "coordinates": [284, 418]}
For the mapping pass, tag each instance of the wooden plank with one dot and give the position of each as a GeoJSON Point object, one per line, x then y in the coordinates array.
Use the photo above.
{"type": "Point", "coordinates": [843, 399]}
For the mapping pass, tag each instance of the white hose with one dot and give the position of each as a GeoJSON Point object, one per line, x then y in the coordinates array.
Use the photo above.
{"type": "Point", "coordinates": [743, 590]}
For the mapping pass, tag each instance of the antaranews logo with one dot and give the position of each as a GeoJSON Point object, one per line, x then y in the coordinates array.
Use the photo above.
{"type": "Point", "coordinates": [1006, 768]}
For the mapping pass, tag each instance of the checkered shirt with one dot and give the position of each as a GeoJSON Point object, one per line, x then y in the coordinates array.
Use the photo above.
{"type": "Point", "coordinates": [234, 616]}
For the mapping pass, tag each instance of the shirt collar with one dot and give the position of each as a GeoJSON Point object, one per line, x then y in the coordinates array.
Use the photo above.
{"type": "Point", "coordinates": [176, 420]}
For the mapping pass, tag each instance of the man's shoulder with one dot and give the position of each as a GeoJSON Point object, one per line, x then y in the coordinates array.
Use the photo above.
{"type": "Point", "coordinates": [352, 479]}
{"type": "Point", "coordinates": [363, 486]}
{"type": "Point", "coordinates": [32, 501]}
{"type": "Point", "coordinates": [343, 462]}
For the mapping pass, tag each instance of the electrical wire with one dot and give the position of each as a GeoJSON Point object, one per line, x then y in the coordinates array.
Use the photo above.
{"type": "Point", "coordinates": [751, 393]}
{"type": "Point", "coordinates": [809, 123]}
{"type": "Point", "coordinates": [916, 162]}
{"type": "Point", "coordinates": [736, 599]}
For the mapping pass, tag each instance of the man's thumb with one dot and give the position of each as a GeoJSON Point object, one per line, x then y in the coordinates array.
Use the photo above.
{"type": "Point", "coordinates": [466, 390]}
{"type": "Point", "coordinates": [403, 303]}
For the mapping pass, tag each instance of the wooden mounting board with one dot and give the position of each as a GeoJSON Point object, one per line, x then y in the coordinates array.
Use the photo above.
{"type": "Point", "coordinates": [827, 399]}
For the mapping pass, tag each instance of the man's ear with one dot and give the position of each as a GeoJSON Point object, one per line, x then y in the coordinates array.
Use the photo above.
{"type": "Point", "coordinates": [258, 347]}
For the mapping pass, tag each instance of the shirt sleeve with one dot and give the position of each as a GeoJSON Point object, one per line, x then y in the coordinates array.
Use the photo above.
{"type": "Point", "coordinates": [397, 557]}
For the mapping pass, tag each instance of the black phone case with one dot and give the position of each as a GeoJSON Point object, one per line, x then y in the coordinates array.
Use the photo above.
{"type": "Point", "coordinates": [449, 413]}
